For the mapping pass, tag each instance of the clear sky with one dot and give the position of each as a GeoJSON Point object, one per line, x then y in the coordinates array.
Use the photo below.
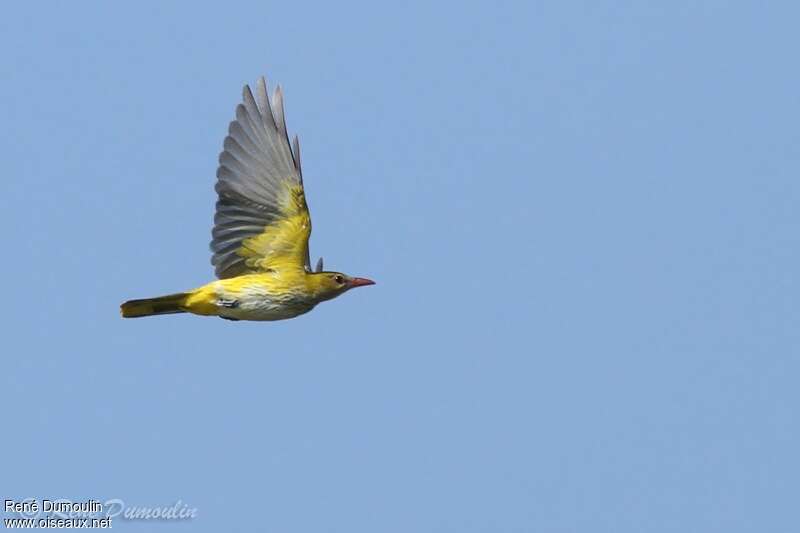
{"type": "Point", "coordinates": [582, 218]}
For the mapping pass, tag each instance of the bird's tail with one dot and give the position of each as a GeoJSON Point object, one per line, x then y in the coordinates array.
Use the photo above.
{"type": "Point", "coordinates": [162, 305]}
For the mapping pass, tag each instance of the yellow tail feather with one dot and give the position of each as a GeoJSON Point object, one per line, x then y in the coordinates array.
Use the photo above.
{"type": "Point", "coordinates": [162, 305]}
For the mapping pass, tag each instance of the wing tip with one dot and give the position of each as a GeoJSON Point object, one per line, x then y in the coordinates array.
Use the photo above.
{"type": "Point", "coordinates": [296, 154]}
{"type": "Point", "coordinates": [246, 92]}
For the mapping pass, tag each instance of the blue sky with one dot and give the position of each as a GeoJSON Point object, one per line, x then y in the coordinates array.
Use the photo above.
{"type": "Point", "coordinates": [582, 218]}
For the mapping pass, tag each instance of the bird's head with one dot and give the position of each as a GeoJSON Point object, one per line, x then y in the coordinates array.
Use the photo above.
{"type": "Point", "coordinates": [329, 285]}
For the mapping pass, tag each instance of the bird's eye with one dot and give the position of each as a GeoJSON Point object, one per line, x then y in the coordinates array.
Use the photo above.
{"type": "Point", "coordinates": [339, 279]}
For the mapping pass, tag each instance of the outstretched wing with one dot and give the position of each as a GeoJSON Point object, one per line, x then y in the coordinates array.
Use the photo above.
{"type": "Point", "coordinates": [262, 221]}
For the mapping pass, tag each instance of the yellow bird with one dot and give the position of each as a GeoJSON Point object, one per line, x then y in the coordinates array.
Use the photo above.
{"type": "Point", "coordinates": [261, 228]}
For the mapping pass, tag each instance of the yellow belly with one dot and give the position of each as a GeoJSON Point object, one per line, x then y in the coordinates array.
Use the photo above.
{"type": "Point", "coordinates": [251, 297]}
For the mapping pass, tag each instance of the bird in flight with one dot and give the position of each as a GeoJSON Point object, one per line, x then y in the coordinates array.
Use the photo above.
{"type": "Point", "coordinates": [261, 228]}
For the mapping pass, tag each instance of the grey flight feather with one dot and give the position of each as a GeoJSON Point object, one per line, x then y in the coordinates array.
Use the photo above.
{"type": "Point", "coordinates": [256, 163]}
